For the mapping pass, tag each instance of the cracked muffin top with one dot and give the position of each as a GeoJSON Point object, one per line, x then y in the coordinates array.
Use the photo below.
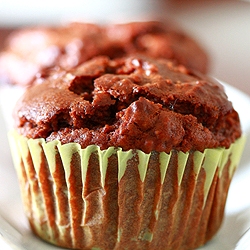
{"type": "Point", "coordinates": [132, 102]}
{"type": "Point", "coordinates": [30, 51]}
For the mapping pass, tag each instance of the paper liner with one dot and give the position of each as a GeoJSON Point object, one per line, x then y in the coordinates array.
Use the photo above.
{"type": "Point", "coordinates": [113, 199]}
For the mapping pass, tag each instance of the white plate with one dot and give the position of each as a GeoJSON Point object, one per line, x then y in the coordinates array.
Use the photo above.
{"type": "Point", "coordinates": [15, 233]}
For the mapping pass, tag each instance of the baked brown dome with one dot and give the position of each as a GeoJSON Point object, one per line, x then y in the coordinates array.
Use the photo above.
{"type": "Point", "coordinates": [131, 102]}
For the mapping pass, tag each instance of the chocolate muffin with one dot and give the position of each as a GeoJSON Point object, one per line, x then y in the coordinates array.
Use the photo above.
{"type": "Point", "coordinates": [31, 50]}
{"type": "Point", "coordinates": [129, 153]}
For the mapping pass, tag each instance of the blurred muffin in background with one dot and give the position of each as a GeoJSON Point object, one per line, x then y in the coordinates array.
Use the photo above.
{"type": "Point", "coordinates": [32, 50]}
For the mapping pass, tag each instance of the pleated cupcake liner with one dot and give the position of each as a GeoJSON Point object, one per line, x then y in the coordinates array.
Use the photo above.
{"type": "Point", "coordinates": [114, 199]}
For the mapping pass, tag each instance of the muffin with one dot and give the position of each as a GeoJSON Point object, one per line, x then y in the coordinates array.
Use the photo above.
{"type": "Point", "coordinates": [29, 51]}
{"type": "Point", "coordinates": [125, 153]}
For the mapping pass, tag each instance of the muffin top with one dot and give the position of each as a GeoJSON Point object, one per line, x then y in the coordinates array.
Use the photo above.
{"type": "Point", "coordinates": [134, 102]}
{"type": "Point", "coordinates": [30, 51]}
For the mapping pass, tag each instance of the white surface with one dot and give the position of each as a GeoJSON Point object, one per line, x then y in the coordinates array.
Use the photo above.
{"type": "Point", "coordinates": [13, 225]}
{"type": "Point", "coordinates": [9, 94]}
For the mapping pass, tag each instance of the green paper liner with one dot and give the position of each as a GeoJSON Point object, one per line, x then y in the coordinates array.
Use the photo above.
{"type": "Point", "coordinates": [114, 199]}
